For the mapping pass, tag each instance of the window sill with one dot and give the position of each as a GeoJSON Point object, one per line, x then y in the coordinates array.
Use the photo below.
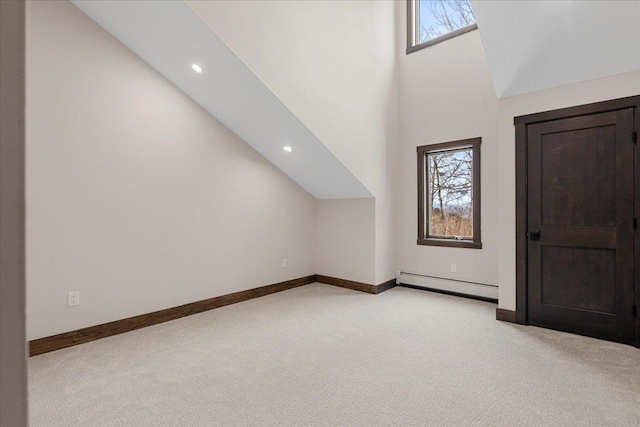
{"type": "Point", "coordinates": [450, 243]}
{"type": "Point", "coordinates": [440, 39]}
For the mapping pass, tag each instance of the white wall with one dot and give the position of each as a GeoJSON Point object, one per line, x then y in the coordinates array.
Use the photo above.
{"type": "Point", "coordinates": [136, 196]}
{"type": "Point", "coordinates": [142, 201]}
{"type": "Point", "coordinates": [613, 87]}
{"type": "Point", "coordinates": [333, 65]}
{"type": "Point", "coordinates": [445, 94]}
{"type": "Point", "coordinates": [345, 239]}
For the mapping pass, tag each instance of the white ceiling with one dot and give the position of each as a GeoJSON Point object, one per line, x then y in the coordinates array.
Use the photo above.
{"type": "Point", "coordinates": [534, 45]}
{"type": "Point", "coordinates": [529, 45]}
{"type": "Point", "coordinates": [169, 36]}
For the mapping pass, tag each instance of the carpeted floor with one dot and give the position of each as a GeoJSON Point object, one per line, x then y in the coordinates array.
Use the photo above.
{"type": "Point", "coordinates": [326, 356]}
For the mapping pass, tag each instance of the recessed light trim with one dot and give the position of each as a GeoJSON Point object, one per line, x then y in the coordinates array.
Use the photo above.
{"type": "Point", "coordinates": [287, 149]}
{"type": "Point", "coordinates": [196, 68]}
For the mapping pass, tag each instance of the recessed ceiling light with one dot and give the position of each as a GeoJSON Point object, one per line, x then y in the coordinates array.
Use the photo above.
{"type": "Point", "coordinates": [196, 68]}
{"type": "Point", "coordinates": [287, 149]}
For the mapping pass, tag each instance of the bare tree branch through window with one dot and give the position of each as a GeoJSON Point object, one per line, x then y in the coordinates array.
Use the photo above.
{"type": "Point", "coordinates": [440, 17]}
{"type": "Point", "coordinates": [450, 193]}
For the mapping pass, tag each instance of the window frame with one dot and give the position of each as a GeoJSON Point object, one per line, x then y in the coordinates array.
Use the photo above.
{"type": "Point", "coordinates": [413, 29]}
{"type": "Point", "coordinates": [423, 185]}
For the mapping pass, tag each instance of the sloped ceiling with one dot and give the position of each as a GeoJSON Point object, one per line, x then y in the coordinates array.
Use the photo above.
{"type": "Point", "coordinates": [535, 45]}
{"type": "Point", "coordinates": [170, 37]}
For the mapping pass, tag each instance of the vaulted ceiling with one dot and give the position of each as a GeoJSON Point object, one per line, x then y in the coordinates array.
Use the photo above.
{"type": "Point", "coordinates": [535, 45]}
{"type": "Point", "coordinates": [529, 45]}
{"type": "Point", "coordinates": [170, 37]}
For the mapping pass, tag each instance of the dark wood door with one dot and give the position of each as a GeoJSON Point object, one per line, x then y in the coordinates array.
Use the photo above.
{"type": "Point", "coordinates": [581, 225]}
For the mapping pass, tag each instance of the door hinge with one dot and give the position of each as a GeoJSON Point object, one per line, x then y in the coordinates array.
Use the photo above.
{"type": "Point", "coordinates": [635, 223]}
{"type": "Point", "coordinates": [634, 310]}
{"type": "Point", "coordinates": [634, 137]}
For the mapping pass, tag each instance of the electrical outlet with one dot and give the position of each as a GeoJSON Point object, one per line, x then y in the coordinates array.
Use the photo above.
{"type": "Point", "coordinates": [454, 268]}
{"type": "Point", "coordinates": [284, 263]}
{"type": "Point", "coordinates": [73, 298]}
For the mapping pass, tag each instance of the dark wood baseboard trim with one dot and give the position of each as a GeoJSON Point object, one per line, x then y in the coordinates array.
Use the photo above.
{"type": "Point", "coordinates": [455, 294]}
{"type": "Point", "coordinates": [386, 286]}
{"type": "Point", "coordinates": [356, 286]}
{"type": "Point", "coordinates": [92, 333]}
{"type": "Point", "coordinates": [349, 284]}
{"type": "Point", "coordinates": [506, 315]}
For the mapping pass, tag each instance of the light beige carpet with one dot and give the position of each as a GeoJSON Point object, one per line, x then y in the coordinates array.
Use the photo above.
{"type": "Point", "coordinates": [325, 356]}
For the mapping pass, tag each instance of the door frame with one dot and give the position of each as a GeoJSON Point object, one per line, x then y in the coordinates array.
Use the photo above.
{"type": "Point", "coordinates": [521, 123]}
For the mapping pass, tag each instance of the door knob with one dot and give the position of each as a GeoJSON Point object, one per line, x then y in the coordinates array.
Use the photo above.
{"type": "Point", "coordinates": [534, 235]}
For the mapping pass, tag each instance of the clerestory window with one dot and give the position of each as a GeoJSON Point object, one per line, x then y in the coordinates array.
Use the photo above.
{"type": "Point", "coordinates": [433, 21]}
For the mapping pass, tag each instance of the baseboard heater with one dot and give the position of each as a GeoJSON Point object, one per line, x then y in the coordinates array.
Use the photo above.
{"type": "Point", "coordinates": [442, 284]}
